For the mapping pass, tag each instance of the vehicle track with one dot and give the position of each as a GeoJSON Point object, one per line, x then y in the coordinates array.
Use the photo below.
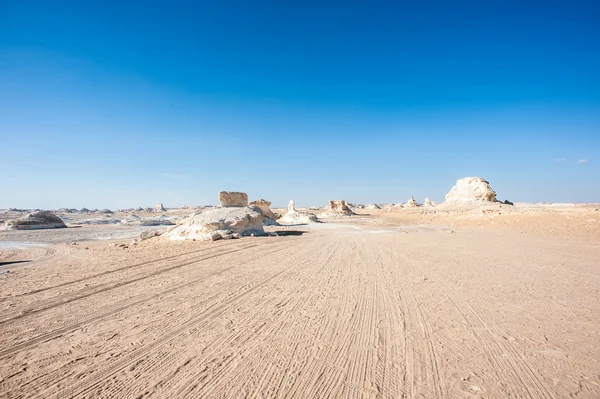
{"type": "Point", "coordinates": [109, 311]}
{"type": "Point", "coordinates": [42, 306]}
{"type": "Point", "coordinates": [86, 385]}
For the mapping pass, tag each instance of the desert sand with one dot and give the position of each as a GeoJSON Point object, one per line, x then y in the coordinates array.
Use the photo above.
{"type": "Point", "coordinates": [421, 302]}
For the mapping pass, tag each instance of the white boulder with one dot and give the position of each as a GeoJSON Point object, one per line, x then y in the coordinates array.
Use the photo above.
{"type": "Point", "coordinates": [227, 221]}
{"type": "Point", "coordinates": [471, 189]}
{"type": "Point", "coordinates": [35, 221]}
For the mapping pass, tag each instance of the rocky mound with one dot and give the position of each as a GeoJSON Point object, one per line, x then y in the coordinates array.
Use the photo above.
{"type": "Point", "coordinates": [159, 208]}
{"type": "Point", "coordinates": [230, 199]}
{"type": "Point", "coordinates": [219, 223]}
{"type": "Point", "coordinates": [295, 217]}
{"type": "Point", "coordinates": [36, 220]}
{"type": "Point", "coordinates": [471, 189]}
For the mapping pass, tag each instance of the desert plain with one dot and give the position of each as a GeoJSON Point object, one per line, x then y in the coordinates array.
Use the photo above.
{"type": "Point", "coordinates": [494, 301]}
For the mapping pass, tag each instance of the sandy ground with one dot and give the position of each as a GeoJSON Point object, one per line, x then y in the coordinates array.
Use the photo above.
{"type": "Point", "coordinates": [392, 305]}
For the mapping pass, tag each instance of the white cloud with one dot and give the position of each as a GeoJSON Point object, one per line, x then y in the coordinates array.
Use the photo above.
{"type": "Point", "coordinates": [582, 161]}
{"type": "Point", "coordinates": [560, 159]}
{"type": "Point", "coordinates": [172, 176]}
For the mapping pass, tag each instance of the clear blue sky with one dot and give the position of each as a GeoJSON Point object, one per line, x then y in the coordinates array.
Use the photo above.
{"type": "Point", "coordinates": [130, 103]}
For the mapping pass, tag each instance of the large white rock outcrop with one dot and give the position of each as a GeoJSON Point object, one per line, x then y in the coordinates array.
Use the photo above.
{"type": "Point", "coordinates": [159, 208]}
{"type": "Point", "coordinates": [296, 217]}
{"type": "Point", "coordinates": [35, 221]}
{"type": "Point", "coordinates": [219, 223]}
{"type": "Point", "coordinates": [471, 189]}
{"type": "Point", "coordinates": [230, 199]}
{"type": "Point", "coordinates": [264, 206]}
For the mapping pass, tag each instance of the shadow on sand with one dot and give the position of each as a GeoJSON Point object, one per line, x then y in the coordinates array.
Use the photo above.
{"type": "Point", "coordinates": [13, 262]}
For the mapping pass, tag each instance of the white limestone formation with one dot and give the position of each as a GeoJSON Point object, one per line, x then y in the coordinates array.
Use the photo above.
{"type": "Point", "coordinates": [296, 217]}
{"type": "Point", "coordinates": [470, 190]}
{"type": "Point", "coordinates": [36, 221]}
{"type": "Point", "coordinates": [217, 223]}
{"type": "Point", "coordinates": [264, 206]}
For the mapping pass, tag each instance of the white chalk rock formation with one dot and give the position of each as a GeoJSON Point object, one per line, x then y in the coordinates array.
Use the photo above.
{"type": "Point", "coordinates": [225, 222]}
{"type": "Point", "coordinates": [411, 203]}
{"type": "Point", "coordinates": [338, 208]}
{"type": "Point", "coordinates": [372, 206]}
{"type": "Point", "coordinates": [35, 221]}
{"type": "Point", "coordinates": [159, 208]}
{"type": "Point", "coordinates": [229, 199]}
{"type": "Point", "coordinates": [296, 217]}
{"type": "Point", "coordinates": [471, 189]}
{"type": "Point", "coordinates": [264, 206]}
{"type": "Point", "coordinates": [427, 202]}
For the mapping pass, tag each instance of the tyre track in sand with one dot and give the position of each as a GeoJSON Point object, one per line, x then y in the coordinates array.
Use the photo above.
{"type": "Point", "coordinates": [44, 380]}
{"type": "Point", "coordinates": [516, 375]}
{"type": "Point", "coordinates": [108, 272]}
{"type": "Point", "coordinates": [111, 310]}
{"type": "Point", "coordinates": [51, 303]}
{"type": "Point", "coordinates": [231, 356]}
{"type": "Point", "coordinates": [86, 384]}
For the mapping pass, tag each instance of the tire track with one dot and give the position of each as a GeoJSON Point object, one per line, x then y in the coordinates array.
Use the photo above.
{"type": "Point", "coordinates": [108, 272]}
{"type": "Point", "coordinates": [419, 345]}
{"type": "Point", "coordinates": [85, 385]}
{"type": "Point", "coordinates": [521, 380]}
{"type": "Point", "coordinates": [116, 308]}
{"type": "Point", "coordinates": [53, 303]}
{"type": "Point", "coordinates": [244, 341]}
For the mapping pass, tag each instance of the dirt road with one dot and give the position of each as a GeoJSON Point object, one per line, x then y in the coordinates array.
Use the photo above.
{"type": "Point", "coordinates": [338, 312]}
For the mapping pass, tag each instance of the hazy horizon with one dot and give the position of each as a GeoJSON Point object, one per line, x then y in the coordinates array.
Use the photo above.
{"type": "Point", "coordinates": [119, 106]}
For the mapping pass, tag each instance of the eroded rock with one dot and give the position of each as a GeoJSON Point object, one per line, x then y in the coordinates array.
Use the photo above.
{"type": "Point", "coordinates": [36, 221]}
{"type": "Point", "coordinates": [471, 189]}
{"type": "Point", "coordinates": [233, 220]}
{"type": "Point", "coordinates": [230, 199]}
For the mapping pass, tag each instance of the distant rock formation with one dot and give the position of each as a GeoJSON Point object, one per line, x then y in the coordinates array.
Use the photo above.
{"type": "Point", "coordinates": [295, 217]}
{"type": "Point", "coordinates": [471, 189]}
{"type": "Point", "coordinates": [411, 203]}
{"type": "Point", "coordinates": [35, 221]}
{"type": "Point", "coordinates": [264, 205]}
{"type": "Point", "coordinates": [229, 199]}
{"type": "Point", "coordinates": [219, 223]}
{"type": "Point", "coordinates": [372, 206]}
{"type": "Point", "coordinates": [427, 202]}
{"type": "Point", "coordinates": [159, 208]}
{"type": "Point", "coordinates": [338, 208]}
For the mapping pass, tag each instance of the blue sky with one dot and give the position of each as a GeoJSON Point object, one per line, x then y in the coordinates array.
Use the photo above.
{"type": "Point", "coordinates": [119, 104]}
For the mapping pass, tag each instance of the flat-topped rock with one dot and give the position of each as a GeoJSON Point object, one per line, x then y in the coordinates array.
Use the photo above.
{"type": "Point", "coordinates": [229, 199]}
